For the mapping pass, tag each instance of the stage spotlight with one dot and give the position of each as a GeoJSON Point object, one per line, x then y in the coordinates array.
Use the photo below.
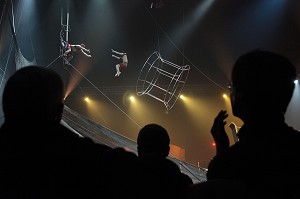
{"type": "Point", "coordinates": [131, 98]}
{"type": "Point", "coordinates": [296, 81]}
{"type": "Point", "coordinates": [86, 99]}
{"type": "Point", "coordinates": [225, 96]}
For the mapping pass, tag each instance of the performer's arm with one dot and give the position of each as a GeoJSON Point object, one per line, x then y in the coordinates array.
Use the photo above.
{"type": "Point", "coordinates": [67, 51]}
{"type": "Point", "coordinates": [63, 43]}
{"type": "Point", "coordinates": [88, 55]}
{"type": "Point", "coordinates": [76, 47]}
{"type": "Point", "coordinates": [116, 57]}
{"type": "Point", "coordinates": [84, 49]}
{"type": "Point", "coordinates": [117, 52]}
{"type": "Point", "coordinates": [80, 47]}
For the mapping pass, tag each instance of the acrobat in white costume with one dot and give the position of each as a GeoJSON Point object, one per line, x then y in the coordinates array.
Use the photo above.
{"type": "Point", "coordinates": [123, 57]}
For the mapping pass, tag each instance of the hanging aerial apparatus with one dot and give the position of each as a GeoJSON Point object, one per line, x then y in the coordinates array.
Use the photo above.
{"type": "Point", "coordinates": [67, 49]}
{"type": "Point", "coordinates": [64, 32]}
{"type": "Point", "coordinates": [161, 79]}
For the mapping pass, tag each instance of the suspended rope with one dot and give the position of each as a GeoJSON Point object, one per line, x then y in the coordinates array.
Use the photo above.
{"type": "Point", "coordinates": [184, 31]}
{"type": "Point", "coordinates": [2, 13]}
{"type": "Point", "coordinates": [161, 79]}
{"type": "Point", "coordinates": [181, 52]}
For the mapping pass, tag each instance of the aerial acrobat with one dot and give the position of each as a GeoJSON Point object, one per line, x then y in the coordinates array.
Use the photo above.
{"type": "Point", "coordinates": [124, 61]}
{"type": "Point", "coordinates": [68, 50]}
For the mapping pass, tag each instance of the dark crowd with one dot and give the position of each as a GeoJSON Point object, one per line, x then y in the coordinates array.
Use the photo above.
{"type": "Point", "coordinates": [41, 158]}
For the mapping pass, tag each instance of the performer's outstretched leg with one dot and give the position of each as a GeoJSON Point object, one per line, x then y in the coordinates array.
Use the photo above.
{"type": "Point", "coordinates": [118, 70]}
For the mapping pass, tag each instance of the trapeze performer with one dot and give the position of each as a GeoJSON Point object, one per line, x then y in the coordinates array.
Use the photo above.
{"type": "Point", "coordinates": [70, 48]}
{"type": "Point", "coordinates": [122, 57]}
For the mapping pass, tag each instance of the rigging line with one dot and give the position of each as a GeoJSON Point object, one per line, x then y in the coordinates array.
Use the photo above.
{"type": "Point", "coordinates": [183, 24]}
{"type": "Point", "coordinates": [190, 172]}
{"type": "Point", "coordinates": [157, 34]}
{"type": "Point", "coordinates": [12, 28]}
{"type": "Point", "coordinates": [32, 48]}
{"type": "Point", "coordinates": [77, 83]}
{"type": "Point", "coordinates": [9, 54]}
{"type": "Point", "coordinates": [3, 12]}
{"type": "Point", "coordinates": [170, 40]}
{"type": "Point", "coordinates": [12, 24]}
{"type": "Point", "coordinates": [12, 44]}
{"type": "Point", "coordinates": [218, 85]}
{"type": "Point", "coordinates": [13, 17]}
{"type": "Point", "coordinates": [61, 14]}
{"type": "Point", "coordinates": [21, 15]}
{"type": "Point", "coordinates": [158, 45]}
{"type": "Point", "coordinates": [68, 18]}
{"type": "Point", "coordinates": [7, 61]}
{"type": "Point", "coordinates": [53, 61]}
{"type": "Point", "coordinates": [104, 95]}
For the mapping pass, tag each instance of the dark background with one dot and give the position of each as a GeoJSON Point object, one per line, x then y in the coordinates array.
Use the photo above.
{"type": "Point", "coordinates": [207, 35]}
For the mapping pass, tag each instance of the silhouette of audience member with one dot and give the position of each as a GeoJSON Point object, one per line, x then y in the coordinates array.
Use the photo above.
{"type": "Point", "coordinates": [265, 162]}
{"type": "Point", "coordinates": [41, 158]}
{"type": "Point", "coordinates": [159, 176]}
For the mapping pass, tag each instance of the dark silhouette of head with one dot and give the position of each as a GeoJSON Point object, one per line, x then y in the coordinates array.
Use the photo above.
{"type": "Point", "coordinates": [262, 83]}
{"type": "Point", "coordinates": [153, 140]}
{"type": "Point", "coordinates": [33, 93]}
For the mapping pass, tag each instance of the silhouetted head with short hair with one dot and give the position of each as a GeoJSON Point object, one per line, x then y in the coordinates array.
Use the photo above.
{"type": "Point", "coordinates": [33, 93]}
{"type": "Point", "coordinates": [262, 83]}
{"type": "Point", "coordinates": [153, 140]}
